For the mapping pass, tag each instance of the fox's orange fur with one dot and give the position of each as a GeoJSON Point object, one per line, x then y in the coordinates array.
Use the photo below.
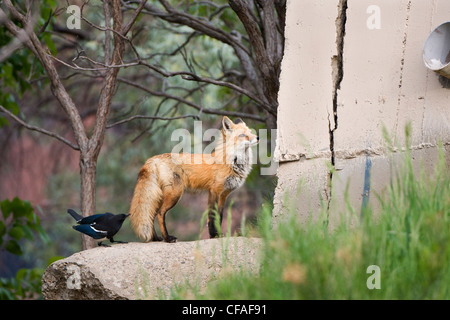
{"type": "Point", "coordinates": [163, 178]}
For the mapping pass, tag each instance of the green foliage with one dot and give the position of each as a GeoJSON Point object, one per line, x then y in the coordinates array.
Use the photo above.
{"type": "Point", "coordinates": [20, 222]}
{"type": "Point", "coordinates": [409, 239]}
{"type": "Point", "coordinates": [26, 285]}
{"type": "Point", "coordinates": [21, 67]}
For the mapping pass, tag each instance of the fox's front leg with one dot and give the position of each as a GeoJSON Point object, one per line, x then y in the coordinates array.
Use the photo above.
{"type": "Point", "coordinates": [212, 200]}
{"type": "Point", "coordinates": [211, 214]}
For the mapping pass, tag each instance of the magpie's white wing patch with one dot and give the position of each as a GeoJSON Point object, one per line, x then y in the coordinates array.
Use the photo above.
{"type": "Point", "coordinates": [99, 231]}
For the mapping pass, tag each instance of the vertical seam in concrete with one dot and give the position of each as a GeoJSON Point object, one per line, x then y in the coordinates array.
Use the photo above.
{"type": "Point", "coordinates": [433, 13]}
{"type": "Point", "coordinates": [402, 63]}
{"type": "Point", "coordinates": [337, 76]}
{"type": "Point", "coordinates": [422, 129]}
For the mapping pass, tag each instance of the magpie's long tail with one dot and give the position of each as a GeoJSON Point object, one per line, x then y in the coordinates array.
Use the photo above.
{"type": "Point", "coordinates": [75, 215]}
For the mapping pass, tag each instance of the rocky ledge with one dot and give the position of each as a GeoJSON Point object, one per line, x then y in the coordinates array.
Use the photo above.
{"type": "Point", "coordinates": [148, 270]}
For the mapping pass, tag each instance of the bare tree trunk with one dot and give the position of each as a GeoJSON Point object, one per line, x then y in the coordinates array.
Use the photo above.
{"type": "Point", "coordinates": [88, 160]}
{"type": "Point", "coordinates": [88, 174]}
{"type": "Point", "coordinates": [266, 37]}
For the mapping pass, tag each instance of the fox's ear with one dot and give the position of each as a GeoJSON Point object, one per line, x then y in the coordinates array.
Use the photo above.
{"type": "Point", "coordinates": [238, 120]}
{"type": "Point", "coordinates": [227, 123]}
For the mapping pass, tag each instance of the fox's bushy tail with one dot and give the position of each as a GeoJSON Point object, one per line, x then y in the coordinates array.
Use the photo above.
{"type": "Point", "coordinates": [145, 203]}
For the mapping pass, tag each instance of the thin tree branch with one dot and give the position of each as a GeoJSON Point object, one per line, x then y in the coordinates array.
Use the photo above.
{"type": "Point", "coordinates": [138, 10]}
{"type": "Point", "coordinates": [57, 88]}
{"type": "Point", "coordinates": [193, 77]}
{"type": "Point", "coordinates": [107, 13]}
{"type": "Point", "coordinates": [106, 28]}
{"type": "Point", "coordinates": [152, 118]}
{"type": "Point", "coordinates": [41, 130]}
{"type": "Point", "coordinates": [191, 104]}
{"type": "Point", "coordinates": [21, 35]}
{"type": "Point", "coordinates": [103, 68]}
{"type": "Point", "coordinates": [184, 74]}
{"type": "Point", "coordinates": [263, 104]}
{"type": "Point", "coordinates": [10, 48]}
{"type": "Point", "coordinates": [204, 26]}
{"type": "Point", "coordinates": [261, 62]}
{"type": "Point", "coordinates": [107, 92]}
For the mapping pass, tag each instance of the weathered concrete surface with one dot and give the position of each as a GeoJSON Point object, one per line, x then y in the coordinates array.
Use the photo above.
{"type": "Point", "coordinates": [305, 96]}
{"type": "Point", "coordinates": [147, 270]}
{"type": "Point", "coordinates": [350, 179]}
{"type": "Point", "coordinates": [384, 84]}
{"type": "Point", "coordinates": [305, 189]}
{"type": "Point", "coordinates": [305, 106]}
{"type": "Point", "coordinates": [385, 81]}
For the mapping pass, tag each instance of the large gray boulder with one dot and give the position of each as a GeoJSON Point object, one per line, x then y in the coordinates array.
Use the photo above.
{"type": "Point", "coordinates": [148, 270]}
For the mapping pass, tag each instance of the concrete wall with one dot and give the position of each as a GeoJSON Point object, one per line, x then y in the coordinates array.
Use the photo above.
{"type": "Point", "coordinates": [351, 67]}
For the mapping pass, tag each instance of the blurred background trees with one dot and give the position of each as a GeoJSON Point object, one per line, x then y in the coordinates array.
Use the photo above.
{"type": "Point", "coordinates": [132, 73]}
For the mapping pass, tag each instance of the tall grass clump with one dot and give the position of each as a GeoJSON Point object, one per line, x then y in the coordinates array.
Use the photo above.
{"type": "Point", "coordinates": [407, 238]}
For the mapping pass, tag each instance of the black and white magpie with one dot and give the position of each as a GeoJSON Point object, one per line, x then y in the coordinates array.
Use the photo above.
{"type": "Point", "coordinates": [99, 226]}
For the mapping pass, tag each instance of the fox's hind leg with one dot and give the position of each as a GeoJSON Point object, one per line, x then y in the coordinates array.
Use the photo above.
{"type": "Point", "coordinates": [171, 195]}
{"type": "Point", "coordinates": [155, 236]}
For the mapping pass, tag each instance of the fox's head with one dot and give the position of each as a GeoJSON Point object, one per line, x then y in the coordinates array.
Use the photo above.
{"type": "Point", "coordinates": [237, 133]}
{"type": "Point", "coordinates": [234, 145]}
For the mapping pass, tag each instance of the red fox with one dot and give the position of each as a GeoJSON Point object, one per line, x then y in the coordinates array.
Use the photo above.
{"type": "Point", "coordinates": [163, 178]}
